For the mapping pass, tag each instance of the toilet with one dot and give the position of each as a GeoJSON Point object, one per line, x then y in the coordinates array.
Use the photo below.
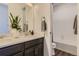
{"type": "Point", "coordinates": [53, 47]}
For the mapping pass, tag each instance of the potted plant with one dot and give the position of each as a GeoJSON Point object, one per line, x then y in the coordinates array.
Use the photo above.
{"type": "Point", "coordinates": [15, 20]}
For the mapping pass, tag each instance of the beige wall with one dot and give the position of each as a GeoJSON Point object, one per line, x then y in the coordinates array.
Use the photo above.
{"type": "Point", "coordinates": [78, 31]}
{"type": "Point", "coordinates": [44, 11]}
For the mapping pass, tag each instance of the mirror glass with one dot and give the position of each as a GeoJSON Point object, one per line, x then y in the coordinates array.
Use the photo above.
{"type": "Point", "coordinates": [28, 13]}
{"type": "Point", "coordinates": [3, 19]}
{"type": "Point", "coordinates": [25, 12]}
{"type": "Point", "coordinates": [28, 18]}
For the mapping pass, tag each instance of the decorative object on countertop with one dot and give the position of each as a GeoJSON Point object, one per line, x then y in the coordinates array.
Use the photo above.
{"type": "Point", "coordinates": [43, 24]}
{"type": "Point", "coordinates": [75, 25]}
{"type": "Point", "coordinates": [25, 27]}
{"type": "Point", "coordinates": [25, 22]}
{"type": "Point", "coordinates": [15, 20]}
{"type": "Point", "coordinates": [31, 32]}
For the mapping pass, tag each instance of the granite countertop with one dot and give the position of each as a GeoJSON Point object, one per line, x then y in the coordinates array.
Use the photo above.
{"type": "Point", "coordinates": [7, 41]}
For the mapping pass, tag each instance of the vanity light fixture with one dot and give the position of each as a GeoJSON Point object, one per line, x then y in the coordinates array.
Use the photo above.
{"type": "Point", "coordinates": [29, 4]}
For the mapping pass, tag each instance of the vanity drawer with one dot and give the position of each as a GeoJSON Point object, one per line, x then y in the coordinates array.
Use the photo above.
{"type": "Point", "coordinates": [33, 42]}
{"type": "Point", "coordinates": [10, 50]}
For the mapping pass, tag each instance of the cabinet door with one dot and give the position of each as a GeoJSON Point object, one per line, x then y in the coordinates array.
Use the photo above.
{"type": "Point", "coordinates": [30, 52]}
{"type": "Point", "coordinates": [19, 54]}
{"type": "Point", "coordinates": [39, 50]}
{"type": "Point", "coordinates": [11, 50]}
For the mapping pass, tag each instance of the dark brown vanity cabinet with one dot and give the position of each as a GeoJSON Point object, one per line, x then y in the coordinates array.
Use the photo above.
{"type": "Point", "coordinates": [34, 51]}
{"type": "Point", "coordinates": [34, 48]}
{"type": "Point", "coordinates": [30, 52]}
{"type": "Point", "coordinates": [38, 50]}
{"type": "Point", "coordinates": [29, 48]}
{"type": "Point", "coordinates": [19, 54]}
{"type": "Point", "coordinates": [12, 50]}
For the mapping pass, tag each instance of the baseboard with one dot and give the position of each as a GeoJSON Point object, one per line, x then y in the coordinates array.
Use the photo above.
{"type": "Point", "coordinates": [67, 48]}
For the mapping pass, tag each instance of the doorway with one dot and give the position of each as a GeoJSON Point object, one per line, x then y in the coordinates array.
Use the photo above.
{"type": "Point", "coordinates": [64, 15]}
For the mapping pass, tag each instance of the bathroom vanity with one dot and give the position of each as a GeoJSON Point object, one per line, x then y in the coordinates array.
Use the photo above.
{"type": "Point", "coordinates": [23, 47]}
{"type": "Point", "coordinates": [21, 43]}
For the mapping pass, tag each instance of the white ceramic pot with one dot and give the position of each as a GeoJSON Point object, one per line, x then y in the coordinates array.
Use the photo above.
{"type": "Point", "coordinates": [14, 32]}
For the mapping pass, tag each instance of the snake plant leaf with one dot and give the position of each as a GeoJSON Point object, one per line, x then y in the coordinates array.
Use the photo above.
{"type": "Point", "coordinates": [15, 21]}
{"type": "Point", "coordinates": [12, 16]}
{"type": "Point", "coordinates": [10, 19]}
{"type": "Point", "coordinates": [19, 20]}
{"type": "Point", "coordinates": [16, 18]}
